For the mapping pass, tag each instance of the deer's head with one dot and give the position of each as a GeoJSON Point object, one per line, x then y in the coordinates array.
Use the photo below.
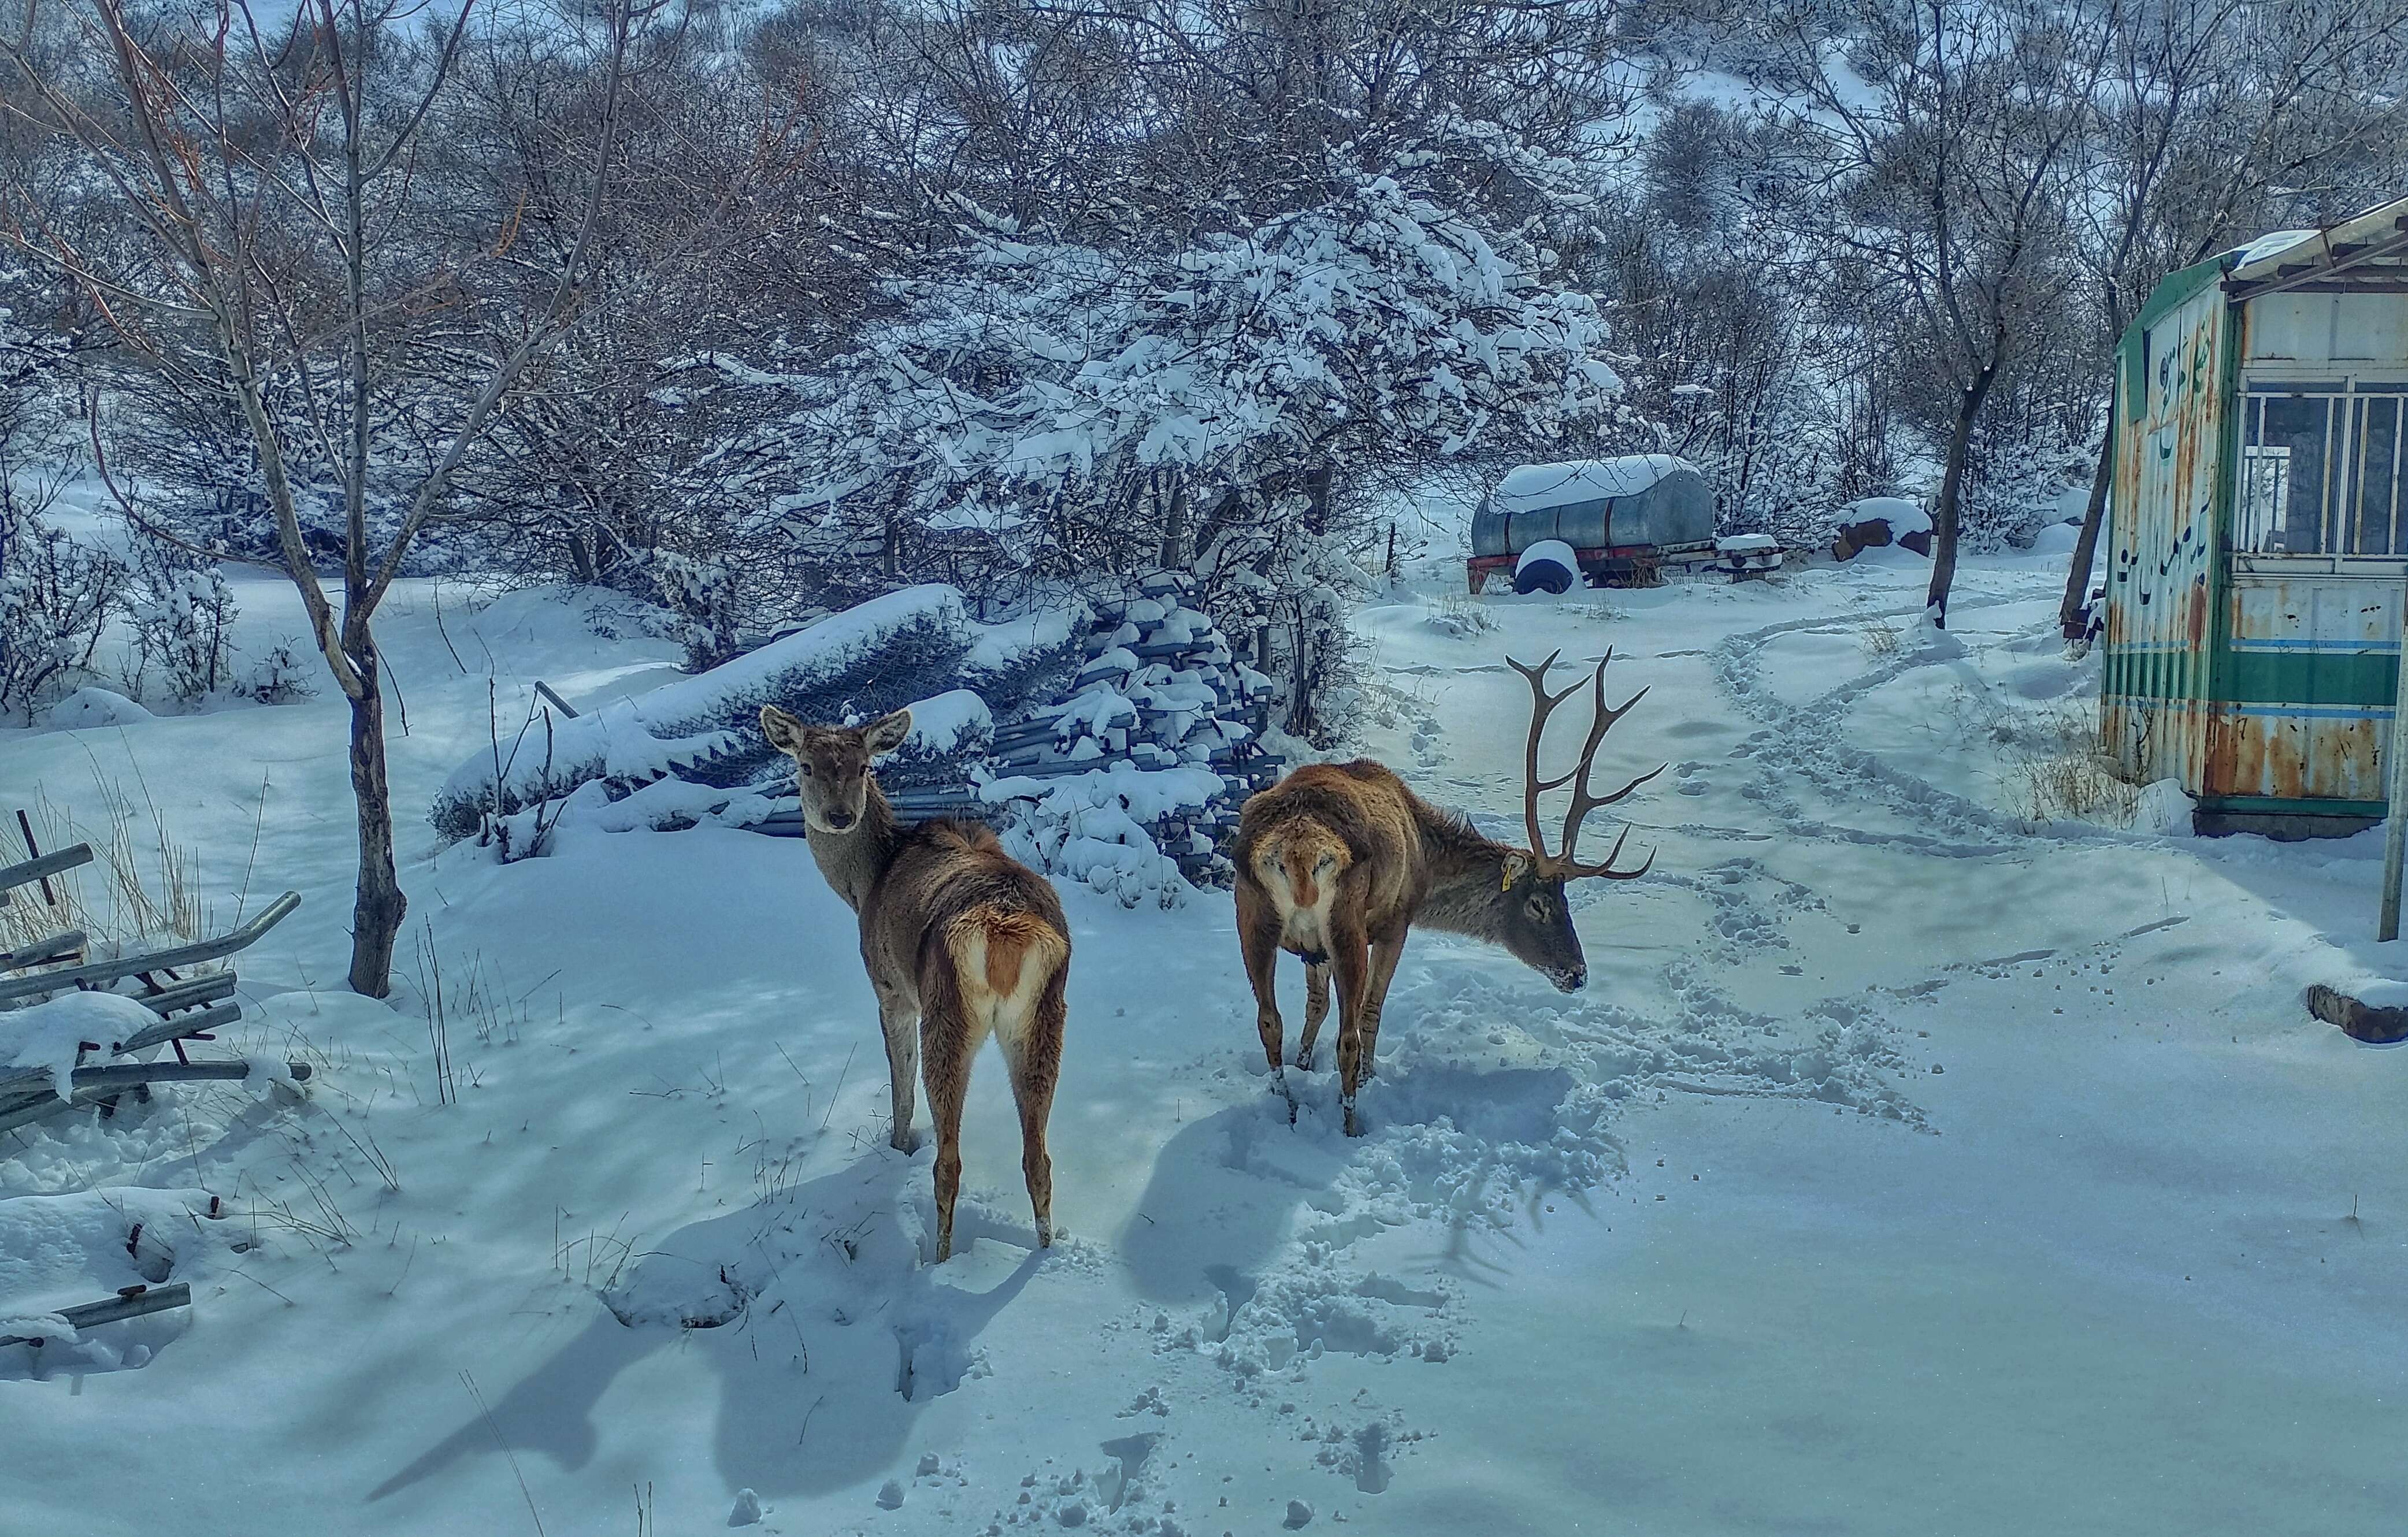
{"type": "Point", "coordinates": [832, 763]}
{"type": "Point", "coordinates": [1536, 920]}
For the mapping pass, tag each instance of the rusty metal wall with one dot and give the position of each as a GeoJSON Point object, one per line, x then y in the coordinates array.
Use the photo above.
{"type": "Point", "coordinates": [2162, 576]}
{"type": "Point", "coordinates": [2305, 685]}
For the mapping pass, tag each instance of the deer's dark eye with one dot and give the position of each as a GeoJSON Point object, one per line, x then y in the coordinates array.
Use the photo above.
{"type": "Point", "coordinates": [805, 767]}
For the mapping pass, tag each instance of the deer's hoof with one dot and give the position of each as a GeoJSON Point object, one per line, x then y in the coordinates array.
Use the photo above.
{"type": "Point", "coordinates": [1304, 1061]}
{"type": "Point", "coordinates": [903, 1141]}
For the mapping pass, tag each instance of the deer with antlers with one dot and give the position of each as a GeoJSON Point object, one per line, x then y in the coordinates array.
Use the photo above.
{"type": "Point", "coordinates": [1339, 861]}
{"type": "Point", "coordinates": [960, 939]}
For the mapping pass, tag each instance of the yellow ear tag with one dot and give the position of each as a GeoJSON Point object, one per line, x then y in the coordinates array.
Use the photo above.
{"type": "Point", "coordinates": [1507, 883]}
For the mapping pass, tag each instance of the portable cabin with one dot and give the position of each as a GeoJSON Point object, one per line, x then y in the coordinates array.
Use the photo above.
{"type": "Point", "coordinates": [1624, 519]}
{"type": "Point", "coordinates": [2257, 543]}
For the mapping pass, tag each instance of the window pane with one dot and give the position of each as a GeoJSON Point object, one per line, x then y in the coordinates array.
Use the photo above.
{"type": "Point", "coordinates": [2294, 521]}
{"type": "Point", "coordinates": [2377, 476]}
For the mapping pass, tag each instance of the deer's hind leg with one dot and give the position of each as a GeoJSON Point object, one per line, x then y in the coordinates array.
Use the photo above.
{"type": "Point", "coordinates": [947, 1041]}
{"type": "Point", "coordinates": [898, 1022]}
{"type": "Point", "coordinates": [1316, 1008]}
{"type": "Point", "coordinates": [1258, 936]}
{"type": "Point", "coordinates": [1385, 952]}
{"type": "Point", "coordinates": [1034, 1057]}
{"type": "Point", "coordinates": [1349, 957]}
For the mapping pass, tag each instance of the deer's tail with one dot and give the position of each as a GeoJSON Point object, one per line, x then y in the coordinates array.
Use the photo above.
{"type": "Point", "coordinates": [1003, 958]}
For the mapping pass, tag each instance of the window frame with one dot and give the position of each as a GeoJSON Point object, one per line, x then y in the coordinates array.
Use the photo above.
{"type": "Point", "coordinates": [2349, 395]}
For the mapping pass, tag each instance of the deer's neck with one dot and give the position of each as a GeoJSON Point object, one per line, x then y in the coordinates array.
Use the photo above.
{"type": "Point", "coordinates": [853, 859]}
{"type": "Point", "coordinates": [1466, 870]}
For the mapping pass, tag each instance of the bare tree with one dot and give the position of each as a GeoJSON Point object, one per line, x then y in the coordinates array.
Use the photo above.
{"type": "Point", "coordinates": [1937, 137]}
{"type": "Point", "coordinates": [267, 179]}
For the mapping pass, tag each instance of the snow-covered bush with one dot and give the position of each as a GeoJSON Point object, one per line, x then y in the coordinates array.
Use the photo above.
{"type": "Point", "coordinates": [56, 595]}
{"type": "Point", "coordinates": [1045, 407]}
{"type": "Point", "coordinates": [279, 675]}
{"type": "Point", "coordinates": [182, 616]}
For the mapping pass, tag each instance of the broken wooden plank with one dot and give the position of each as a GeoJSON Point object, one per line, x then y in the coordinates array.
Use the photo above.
{"type": "Point", "coordinates": [25, 1109]}
{"type": "Point", "coordinates": [189, 994]}
{"type": "Point", "coordinates": [182, 1026]}
{"type": "Point", "coordinates": [125, 1075]}
{"type": "Point", "coordinates": [42, 868]}
{"type": "Point", "coordinates": [133, 1302]}
{"type": "Point", "coordinates": [58, 947]}
{"type": "Point", "coordinates": [126, 966]}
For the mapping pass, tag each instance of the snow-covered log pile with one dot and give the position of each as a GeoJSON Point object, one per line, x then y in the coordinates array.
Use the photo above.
{"type": "Point", "coordinates": [1148, 758]}
{"type": "Point", "coordinates": [692, 751]}
{"type": "Point", "coordinates": [1129, 737]}
{"type": "Point", "coordinates": [1127, 778]}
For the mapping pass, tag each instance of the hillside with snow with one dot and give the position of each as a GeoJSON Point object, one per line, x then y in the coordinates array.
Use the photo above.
{"type": "Point", "coordinates": [1920, 1156]}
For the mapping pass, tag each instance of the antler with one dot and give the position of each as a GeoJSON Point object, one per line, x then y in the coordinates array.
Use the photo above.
{"type": "Point", "coordinates": [1585, 800]}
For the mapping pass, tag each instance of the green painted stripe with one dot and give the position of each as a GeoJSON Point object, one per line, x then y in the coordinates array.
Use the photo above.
{"type": "Point", "coordinates": [2306, 677]}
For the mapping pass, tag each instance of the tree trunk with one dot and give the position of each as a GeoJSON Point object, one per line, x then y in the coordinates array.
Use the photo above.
{"type": "Point", "coordinates": [1952, 485]}
{"type": "Point", "coordinates": [377, 907]}
{"type": "Point", "coordinates": [1174, 527]}
{"type": "Point", "coordinates": [2086, 547]}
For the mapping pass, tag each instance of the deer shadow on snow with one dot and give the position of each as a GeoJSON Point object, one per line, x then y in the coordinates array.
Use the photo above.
{"type": "Point", "coordinates": [817, 1306]}
{"type": "Point", "coordinates": [1230, 1192]}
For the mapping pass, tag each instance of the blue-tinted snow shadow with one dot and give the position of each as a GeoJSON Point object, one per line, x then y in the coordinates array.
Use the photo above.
{"type": "Point", "coordinates": [830, 1334]}
{"type": "Point", "coordinates": [1228, 1190]}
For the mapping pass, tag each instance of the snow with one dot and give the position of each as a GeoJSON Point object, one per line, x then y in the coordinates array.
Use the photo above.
{"type": "Point", "coordinates": [1549, 553]}
{"type": "Point", "coordinates": [87, 707]}
{"type": "Point", "coordinates": [949, 721]}
{"type": "Point", "coordinates": [44, 1035]}
{"type": "Point", "coordinates": [2126, 1262]}
{"type": "Point", "coordinates": [854, 664]}
{"type": "Point", "coordinates": [1535, 486]}
{"type": "Point", "coordinates": [2272, 244]}
{"type": "Point", "coordinates": [2056, 538]}
{"type": "Point", "coordinates": [1747, 544]}
{"type": "Point", "coordinates": [1903, 515]}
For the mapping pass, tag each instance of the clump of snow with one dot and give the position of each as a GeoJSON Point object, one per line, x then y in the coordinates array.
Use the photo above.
{"type": "Point", "coordinates": [2056, 538]}
{"type": "Point", "coordinates": [1747, 544]}
{"type": "Point", "coordinates": [1532, 487]}
{"type": "Point", "coordinates": [60, 1250]}
{"type": "Point", "coordinates": [1925, 642]}
{"type": "Point", "coordinates": [2272, 244]}
{"type": "Point", "coordinates": [1903, 515]}
{"type": "Point", "coordinates": [87, 707]}
{"type": "Point", "coordinates": [2373, 991]}
{"type": "Point", "coordinates": [2164, 809]}
{"type": "Point", "coordinates": [745, 1510]}
{"type": "Point", "coordinates": [47, 1036]}
{"type": "Point", "coordinates": [950, 722]}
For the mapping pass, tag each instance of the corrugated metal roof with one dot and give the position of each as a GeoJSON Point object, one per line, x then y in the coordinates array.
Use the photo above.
{"type": "Point", "coordinates": [2364, 246]}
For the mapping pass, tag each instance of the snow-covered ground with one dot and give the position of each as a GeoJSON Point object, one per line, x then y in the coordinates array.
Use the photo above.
{"type": "Point", "coordinates": [1914, 1162]}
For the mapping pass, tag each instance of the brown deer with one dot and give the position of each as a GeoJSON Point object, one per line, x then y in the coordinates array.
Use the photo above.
{"type": "Point", "coordinates": [960, 939]}
{"type": "Point", "coordinates": [1337, 862]}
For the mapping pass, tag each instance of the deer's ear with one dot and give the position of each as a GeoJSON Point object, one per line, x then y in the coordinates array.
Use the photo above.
{"type": "Point", "coordinates": [886, 733]}
{"type": "Point", "coordinates": [783, 731]}
{"type": "Point", "coordinates": [1517, 865]}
